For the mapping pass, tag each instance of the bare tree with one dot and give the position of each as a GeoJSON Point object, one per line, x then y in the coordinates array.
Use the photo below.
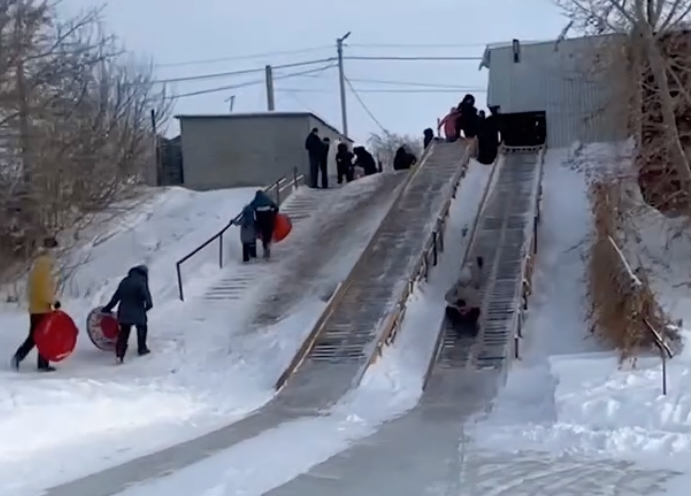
{"type": "Point", "coordinates": [75, 129]}
{"type": "Point", "coordinates": [384, 146]}
{"type": "Point", "coordinates": [656, 34]}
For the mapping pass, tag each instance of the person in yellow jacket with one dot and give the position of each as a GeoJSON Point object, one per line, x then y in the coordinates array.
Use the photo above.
{"type": "Point", "coordinates": [42, 301]}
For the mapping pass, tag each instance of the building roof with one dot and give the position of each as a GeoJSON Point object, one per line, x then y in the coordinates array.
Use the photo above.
{"type": "Point", "coordinates": [266, 114]}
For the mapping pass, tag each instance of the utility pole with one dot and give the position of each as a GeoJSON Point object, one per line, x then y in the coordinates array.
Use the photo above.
{"type": "Point", "coordinates": [232, 103]}
{"type": "Point", "coordinates": [270, 103]}
{"type": "Point", "coordinates": [341, 81]}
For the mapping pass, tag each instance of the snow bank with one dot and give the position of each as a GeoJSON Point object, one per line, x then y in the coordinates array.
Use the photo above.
{"type": "Point", "coordinates": [565, 396]}
{"type": "Point", "coordinates": [390, 388]}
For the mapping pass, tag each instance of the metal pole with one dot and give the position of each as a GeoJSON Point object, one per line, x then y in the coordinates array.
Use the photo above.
{"type": "Point", "coordinates": [270, 103]}
{"type": "Point", "coordinates": [341, 81]}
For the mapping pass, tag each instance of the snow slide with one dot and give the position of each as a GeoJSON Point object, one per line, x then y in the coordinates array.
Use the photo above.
{"type": "Point", "coordinates": [211, 365]}
{"type": "Point", "coordinates": [570, 419]}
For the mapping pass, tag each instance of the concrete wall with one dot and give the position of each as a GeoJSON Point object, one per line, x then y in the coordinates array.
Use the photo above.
{"type": "Point", "coordinates": [580, 104]}
{"type": "Point", "coordinates": [237, 151]}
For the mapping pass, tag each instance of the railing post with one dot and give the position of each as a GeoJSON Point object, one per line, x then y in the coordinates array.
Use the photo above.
{"type": "Point", "coordinates": [535, 222]}
{"type": "Point", "coordinates": [295, 178]}
{"type": "Point", "coordinates": [220, 250]}
{"type": "Point", "coordinates": [180, 293]}
{"type": "Point", "coordinates": [278, 194]}
{"type": "Point", "coordinates": [664, 370]}
{"type": "Point", "coordinates": [435, 256]}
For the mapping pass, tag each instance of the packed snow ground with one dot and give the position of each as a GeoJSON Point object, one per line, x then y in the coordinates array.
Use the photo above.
{"type": "Point", "coordinates": [391, 387]}
{"type": "Point", "coordinates": [566, 395]}
{"type": "Point", "coordinates": [206, 370]}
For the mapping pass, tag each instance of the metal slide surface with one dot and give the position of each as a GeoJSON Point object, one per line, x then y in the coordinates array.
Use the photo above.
{"type": "Point", "coordinates": [338, 356]}
{"type": "Point", "coordinates": [418, 452]}
{"type": "Point", "coordinates": [429, 451]}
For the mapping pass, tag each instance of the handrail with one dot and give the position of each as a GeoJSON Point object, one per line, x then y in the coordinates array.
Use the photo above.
{"type": "Point", "coordinates": [658, 337]}
{"type": "Point", "coordinates": [527, 264]}
{"type": "Point", "coordinates": [342, 289]}
{"type": "Point", "coordinates": [277, 187]}
{"type": "Point", "coordinates": [428, 258]}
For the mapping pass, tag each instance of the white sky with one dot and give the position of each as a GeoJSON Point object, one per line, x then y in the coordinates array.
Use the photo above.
{"type": "Point", "coordinates": [179, 31]}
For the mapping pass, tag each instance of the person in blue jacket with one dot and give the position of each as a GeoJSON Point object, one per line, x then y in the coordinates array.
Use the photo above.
{"type": "Point", "coordinates": [265, 210]}
{"type": "Point", "coordinates": [248, 233]}
{"type": "Point", "coordinates": [133, 299]}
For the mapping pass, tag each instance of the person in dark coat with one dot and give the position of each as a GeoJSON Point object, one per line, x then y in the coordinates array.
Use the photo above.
{"type": "Point", "coordinates": [365, 160]}
{"type": "Point", "coordinates": [265, 210]}
{"type": "Point", "coordinates": [344, 163]}
{"type": "Point", "coordinates": [467, 121]}
{"type": "Point", "coordinates": [248, 233]}
{"type": "Point", "coordinates": [134, 301]}
{"type": "Point", "coordinates": [487, 139]}
{"type": "Point", "coordinates": [403, 159]}
{"type": "Point", "coordinates": [315, 149]}
{"type": "Point", "coordinates": [428, 137]}
{"type": "Point", "coordinates": [324, 162]}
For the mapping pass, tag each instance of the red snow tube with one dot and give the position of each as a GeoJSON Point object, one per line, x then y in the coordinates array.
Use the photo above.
{"type": "Point", "coordinates": [102, 329]}
{"type": "Point", "coordinates": [282, 227]}
{"type": "Point", "coordinates": [56, 336]}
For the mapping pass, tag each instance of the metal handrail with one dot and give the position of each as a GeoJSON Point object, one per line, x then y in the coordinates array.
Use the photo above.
{"type": "Point", "coordinates": [278, 187]}
{"type": "Point", "coordinates": [527, 264]}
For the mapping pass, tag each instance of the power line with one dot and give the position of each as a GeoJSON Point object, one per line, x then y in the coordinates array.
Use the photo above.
{"type": "Point", "coordinates": [406, 45]}
{"type": "Point", "coordinates": [251, 83]}
{"type": "Point", "coordinates": [245, 57]}
{"type": "Point", "coordinates": [411, 83]}
{"type": "Point", "coordinates": [388, 90]}
{"type": "Point", "coordinates": [216, 75]}
{"type": "Point", "coordinates": [363, 105]}
{"type": "Point", "coordinates": [428, 58]}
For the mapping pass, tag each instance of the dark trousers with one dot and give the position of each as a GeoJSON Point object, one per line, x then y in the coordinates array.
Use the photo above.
{"type": "Point", "coordinates": [315, 162]}
{"type": "Point", "coordinates": [29, 343]}
{"type": "Point", "coordinates": [464, 323]}
{"type": "Point", "coordinates": [124, 337]}
{"type": "Point", "coordinates": [325, 177]}
{"type": "Point", "coordinates": [266, 221]}
{"type": "Point", "coordinates": [249, 250]}
{"type": "Point", "coordinates": [345, 172]}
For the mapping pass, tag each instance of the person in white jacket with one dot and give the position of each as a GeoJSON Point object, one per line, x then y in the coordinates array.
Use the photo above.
{"type": "Point", "coordinates": [464, 299]}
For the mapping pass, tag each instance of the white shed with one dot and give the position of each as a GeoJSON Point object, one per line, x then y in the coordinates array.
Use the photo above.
{"type": "Point", "coordinates": [557, 77]}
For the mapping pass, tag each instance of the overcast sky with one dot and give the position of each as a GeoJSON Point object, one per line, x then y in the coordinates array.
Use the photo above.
{"type": "Point", "coordinates": [176, 33]}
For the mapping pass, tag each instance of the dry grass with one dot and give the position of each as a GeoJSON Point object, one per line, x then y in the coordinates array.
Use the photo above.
{"type": "Point", "coordinates": [622, 302]}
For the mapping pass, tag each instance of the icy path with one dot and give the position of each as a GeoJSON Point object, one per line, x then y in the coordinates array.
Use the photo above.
{"type": "Point", "coordinates": [390, 388]}
{"type": "Point", "coordinates": [210, 365]}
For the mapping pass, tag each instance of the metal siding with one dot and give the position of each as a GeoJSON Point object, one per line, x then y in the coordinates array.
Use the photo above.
{"type": "Point", "coordinates": [578, 103]}
{"type": "Point", "coordinates": [226, 153]}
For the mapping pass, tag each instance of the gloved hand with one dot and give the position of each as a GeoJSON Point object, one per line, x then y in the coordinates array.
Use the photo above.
{"type": "Point", "coordinates": [57, 305]}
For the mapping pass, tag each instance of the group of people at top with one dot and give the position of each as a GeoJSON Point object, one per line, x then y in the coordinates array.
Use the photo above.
{"type": "Point", "coordinates": [346, 161]}
{"type": "Point", "coordinates": [466, 119]}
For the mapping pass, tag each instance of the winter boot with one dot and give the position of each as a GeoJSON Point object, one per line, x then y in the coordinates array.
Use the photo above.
{"type": "Point", "coordinates": [47, 368]}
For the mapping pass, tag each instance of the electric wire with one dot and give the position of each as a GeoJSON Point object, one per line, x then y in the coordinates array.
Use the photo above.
{"type": "Point", "coordinates": [245, 57]}
{"type": "Point", "coordinates": [414, 45]}
{"type": "Point", "coordinates": [251, 83]}
{"type": "Point", "coordinates": [389, 90]}
{"type": "Point", "coordinates": [242, 72]}
{"type": "Point", "coordinates": [411, 58]}
{"type": "Point", "coordinates": [364, 105]}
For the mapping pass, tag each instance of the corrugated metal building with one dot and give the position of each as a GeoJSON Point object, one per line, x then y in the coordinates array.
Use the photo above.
{"type": "Point", "coordinates": [558, 78]}
{"type": "Point", "coordinates": [237, 150]}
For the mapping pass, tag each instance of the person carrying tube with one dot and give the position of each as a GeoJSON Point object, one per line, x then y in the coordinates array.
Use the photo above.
{"type": "Point", "coordinates": [133, 299]}
{"type": "Point", "coordinates": [42, 301]}
{"type": "Point", "coordinates": [265, 210]}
